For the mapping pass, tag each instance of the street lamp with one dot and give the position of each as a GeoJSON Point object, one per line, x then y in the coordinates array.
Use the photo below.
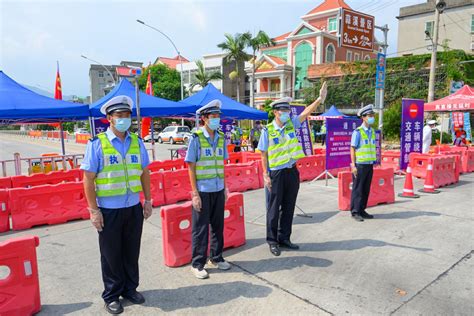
{"type": "Point", "coordinates": [95, 61]}
{"type": "Point", "coordinates": [179, 57]}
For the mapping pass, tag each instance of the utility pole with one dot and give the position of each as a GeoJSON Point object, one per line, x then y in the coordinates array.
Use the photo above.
{"type": "Point", "coordinates": [380, 93]}
{"type": "Point", "coordinates": [440, 6]}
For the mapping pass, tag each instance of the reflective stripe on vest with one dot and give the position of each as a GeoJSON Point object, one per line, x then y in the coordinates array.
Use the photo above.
{"type": "Point", "coordinates": [118, 174]}
{"type": "Point", "coordinates": [211, 162]}
{"type": "Point", "coordinates": [367, 151]}
{"type": "Point", "coordinates": [282, 149]}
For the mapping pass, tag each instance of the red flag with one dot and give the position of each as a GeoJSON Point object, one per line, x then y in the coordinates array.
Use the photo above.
{"type": "Point", "coordinates": [58, 94]}
{"type": "Point", "coordinates": [146, 121]}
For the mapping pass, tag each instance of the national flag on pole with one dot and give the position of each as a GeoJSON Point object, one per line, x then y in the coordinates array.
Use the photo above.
{"type": "Point", "coordinates": [58, 94]}
{"type": "Point", "coordinates": [146, 121]}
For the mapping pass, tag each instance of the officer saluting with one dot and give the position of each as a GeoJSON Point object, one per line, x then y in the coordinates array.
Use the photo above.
{"type": "Point", "coordinates": [280, 150]}
{"type": "Point", "coordinates": [115, 172]}
{"type": "Point", "coordinates": [363, 158]}
{"type": "Point", "coordinates": [205, 157]}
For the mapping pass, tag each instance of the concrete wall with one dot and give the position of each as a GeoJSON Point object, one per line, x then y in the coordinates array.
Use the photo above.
{"type": "Point", "coordinates": [455, 25]}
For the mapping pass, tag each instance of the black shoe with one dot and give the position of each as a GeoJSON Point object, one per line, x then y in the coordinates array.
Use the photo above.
{"type": "Point", "coordinates": [364, 214]}
{"type": "Point", "coordinates": [357, 217]}
{"type": "Point", "coordinates": [114, 307]}
{"type": "Point", "coordinates": [288, 244]}
{"type": "Point", "coordinates": [275, 250]}
{"type": "Point", "coordinates": [135, 298]}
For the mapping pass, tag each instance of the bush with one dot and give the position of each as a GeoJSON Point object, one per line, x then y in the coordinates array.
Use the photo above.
{"type": "Point", "coordinates": [447, 139]}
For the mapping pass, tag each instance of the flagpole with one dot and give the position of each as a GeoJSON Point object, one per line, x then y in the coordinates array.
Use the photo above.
{"type": "Point", "coordinates": [63, 146]}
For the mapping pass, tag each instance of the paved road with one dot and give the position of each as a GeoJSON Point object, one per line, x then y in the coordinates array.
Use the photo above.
{"type": "Point", "coordinates": [414, 258]}
{"type": "Point", "coordinates": [30, 147]}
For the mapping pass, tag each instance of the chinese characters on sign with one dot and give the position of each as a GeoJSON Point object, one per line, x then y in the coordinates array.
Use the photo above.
{"type": "Point", "coordinates": [338, 142]}
{"type": "Point", "coordinates": [101, 125]}
{"type": "Point", "coordinates": [357, 30]}
{"type": "Point", "coordinates": [411, 131]}
{"type": "Point", "coordinates": [380, 71]}
{"type": "Point", "coordinates": [226, 128]}
{"type": "Point", "coordinates": [303, 133]}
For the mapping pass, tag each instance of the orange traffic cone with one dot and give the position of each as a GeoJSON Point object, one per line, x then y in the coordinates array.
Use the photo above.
{"type": "Point", "coordinates": [408, 187]}
{"type": "Point", "coordinates": [428, 187]}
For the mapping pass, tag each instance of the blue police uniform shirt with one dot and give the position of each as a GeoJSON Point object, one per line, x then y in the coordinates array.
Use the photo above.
{"type": "Point", "coordinates": [194, 154]}
{"type": "Point", "coordinates": [94, 162]}
{"type": "Point", "coordinates": [263, 143]}
{"type": "Point", "coordinates": [356, 141]}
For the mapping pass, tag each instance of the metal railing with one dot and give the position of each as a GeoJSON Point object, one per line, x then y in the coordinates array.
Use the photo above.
{"type": "Point", "coordinates": [46, 135]}
{"type": "Point", "coordinates": [54, 162]}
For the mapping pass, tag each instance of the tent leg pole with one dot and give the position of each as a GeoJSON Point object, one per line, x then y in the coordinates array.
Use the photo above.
{"type": "Point", "coordinates": [63, 148]}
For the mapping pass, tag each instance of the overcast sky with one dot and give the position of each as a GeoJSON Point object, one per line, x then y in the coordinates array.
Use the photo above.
{"type": "Point", "coordinates": [35, 34]}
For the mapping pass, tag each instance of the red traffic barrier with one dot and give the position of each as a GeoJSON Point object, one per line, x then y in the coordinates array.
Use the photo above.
{"type": "Point", "coordinates": [444, 171]}
{"type": "Point", "coordinates": [47, 204]}
{"type": "Point", "coordinates": [235, 158]}
{"type": "Point", "coordinates": [176, 186]}
{"type": "Point", "coordinates": [470, 160]}
{"type": "Point", "coordinates": [167, 165]}
{"type": "Point", "coordinates": [319, 151]}
{"type": "Point", "coordinates": [310, 167]}
{"type": "Point", "coordinates": [419, 164]}
{"type": "Point", "coordinates": [20, 293]}
{"type": "Point", "coordinates": [5, 183]}
{"type": "Point", "coordinates": [176, 230]}
{"type": "Point", "coordinates": [53, 177]}
{"type": "Point", "coordinates": [242, 177]}
{"type": "Point", "coordinates": [382, 189]}
{"type": "Point", "coordinates": [156, 189]}
{"type": "Point", "coordinates": [335, 172]}
{"type": "Point", "coordinates": [234, 222]}
{"type": "Point", "coordinates": [4, 212]}
{"type": "Point", "coordinates": [250, 156]}
{"type": "Point", "coordinates": [391, 159]}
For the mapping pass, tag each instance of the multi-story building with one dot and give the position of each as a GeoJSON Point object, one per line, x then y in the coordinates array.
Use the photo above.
{"type": "Point", "coordinates": [215, 63]}
{"type": "Point", "coordinates": [170, 62]}
{"type": "Point", "coordinates": [104, 77]}
{"type": "Point", "coordinates": [281, 70]}
{"type": "Point", "coordinates": [456, 27]}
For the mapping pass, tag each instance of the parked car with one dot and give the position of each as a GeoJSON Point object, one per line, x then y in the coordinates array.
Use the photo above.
{"type": "Point", "coordinates": [175, 134]}
{"type": "Point", "coordinates": [81, 131]}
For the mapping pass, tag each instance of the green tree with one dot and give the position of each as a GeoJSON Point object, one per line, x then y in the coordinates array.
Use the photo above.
{"type": "Point", "coordinates": [202, 78]}
{"type": "Point", "coordinates": [234, 47]}
{"type": "Point", "coordinates": [261, 40]}
{"type": "Point", "coordinates": [268, 109]}
{"type": "Point", "coordinates": [166, 82]}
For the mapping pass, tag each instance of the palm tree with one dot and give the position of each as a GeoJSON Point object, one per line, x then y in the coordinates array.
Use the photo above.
{"type": "Point", "coordinates": [256, 43]}
{"type": "Point", "coordinates": [235, 47]}
{"type": "Point", "coordinates": [202, 78]}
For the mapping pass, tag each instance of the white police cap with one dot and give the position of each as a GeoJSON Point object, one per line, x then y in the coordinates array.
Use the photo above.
{"type": "Point", "coordinates": [119, 103]}
{"type": "Point", "coordinates": [283, 103]}
{"type": "Point", "coordinates": [368, 109]}
{"type": "Point", "coordinates": [212, 107]}
{"type": "Point", "coordinates": [431, 122]}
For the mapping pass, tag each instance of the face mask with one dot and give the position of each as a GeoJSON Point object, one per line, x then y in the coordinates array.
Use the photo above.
{"type": "Point", "coordinates": [371, 120]}
{"type": "Point", "coordinates": [122, 124]}
{"type": "Point", "coordinates": [214, 123]}
{"type": "Point", "coordinates": [284, 117]}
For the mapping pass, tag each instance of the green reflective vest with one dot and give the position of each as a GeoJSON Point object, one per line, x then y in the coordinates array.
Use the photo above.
{"type": "Point", "coordinates": [256, 134]}
{"type": "Point", "coordinates": [367, 151]}
{"type": "Point", "coordinates": [211, 162]}
{"type": "Point", "coordinates": [119, 174]}
{"type": "Point", "coordinates": [283, 148]}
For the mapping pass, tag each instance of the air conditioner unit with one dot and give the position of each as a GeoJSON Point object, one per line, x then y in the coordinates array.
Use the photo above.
{"type": "Point", "coordinates": [472, 46]}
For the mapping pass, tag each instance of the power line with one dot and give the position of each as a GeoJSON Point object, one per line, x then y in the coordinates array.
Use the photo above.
{"type": "Point", "coordinates": [458, 25]}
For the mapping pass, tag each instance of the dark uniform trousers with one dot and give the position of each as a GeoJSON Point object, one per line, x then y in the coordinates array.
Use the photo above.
{"type": "Point", "coordinates": [119, 244]}
{"type": "Point", "coordinates": [212, 212]}
{"type": "Point", "coordinates": [281, 206]}
{"type": "Point", "coordinates": [361, 187]}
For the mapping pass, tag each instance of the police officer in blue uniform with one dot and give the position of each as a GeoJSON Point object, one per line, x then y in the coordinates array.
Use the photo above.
{"type": "Point", "coordinates": [363, 158]}
{"type": "Point", "coordinates": [115, 172]}
{"type": "Point", "coordinates": [205, 157]}
{"type": "Point", "coordinates": [280, 150]}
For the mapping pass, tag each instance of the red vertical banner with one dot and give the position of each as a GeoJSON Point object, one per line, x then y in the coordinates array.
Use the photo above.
{"type": "Point", "coordinates": [146, 121]}
{"type": "Point", "coordinates": [458, 120]}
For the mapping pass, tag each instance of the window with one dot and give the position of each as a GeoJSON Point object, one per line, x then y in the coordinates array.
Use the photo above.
{"type": "Point", "coordinates": [330, 53]}
{"type": "Point", "coordinates": [332, 24]}
{"type": "Point", "coordinates": [429, 26]}
{"type": "Point", "coordinates": [275, 86]}
{"type": "Point", "coordinates": [184, 130]}
{"type": "Point", "coordinates": [356, 57]}
{"type": "Point", "coordinates": [101, 74]}
{"type": "Point", "coordinates": [348, 55]}
{"type": "Point", "coordinates": [472, 23]}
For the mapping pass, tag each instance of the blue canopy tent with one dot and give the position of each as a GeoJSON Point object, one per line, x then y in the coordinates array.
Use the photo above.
{"type": "Point", "coordinates": [231, 109]}
{"type": "Point", "coordinates": [150, 106]}
{"type": "Point", "coordinates": [21, 105]}
{"type": "Point", "coordinates": [333, 112]}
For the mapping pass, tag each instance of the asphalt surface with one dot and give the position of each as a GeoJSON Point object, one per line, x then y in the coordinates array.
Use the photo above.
{"type": "Point", "coordinates": [414, 258]}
